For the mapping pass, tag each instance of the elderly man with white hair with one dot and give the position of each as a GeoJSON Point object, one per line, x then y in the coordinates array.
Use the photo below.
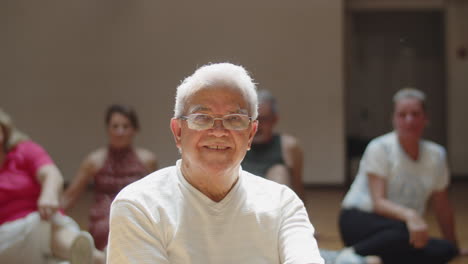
{"type": "Point", "coordinates": [206, 209]}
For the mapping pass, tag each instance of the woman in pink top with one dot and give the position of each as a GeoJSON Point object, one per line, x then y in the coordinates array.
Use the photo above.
{"type": "Point", "coordinates": [31, 228]}
{"type": "Point", "coordinates": [111, 168]}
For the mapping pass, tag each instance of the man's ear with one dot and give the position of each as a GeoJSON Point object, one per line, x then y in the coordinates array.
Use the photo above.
{"type": "Point", "coordinates": [253, 131]}
{"type": "Point", "coordinates": [176, 130]}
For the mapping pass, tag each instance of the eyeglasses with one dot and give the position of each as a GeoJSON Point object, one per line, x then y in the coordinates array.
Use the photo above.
{"type": "Point", "coordinates": [205, 121]}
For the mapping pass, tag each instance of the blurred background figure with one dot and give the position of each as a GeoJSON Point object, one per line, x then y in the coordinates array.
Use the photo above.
{"type": "Point", "coordinates": [277, 157]}
{"type": "Point", "coordinates": [110, 168]}
{"type": "Point", "coordinates": [399, 173]}
{"type": "Point", "coordinates": [31, 228]}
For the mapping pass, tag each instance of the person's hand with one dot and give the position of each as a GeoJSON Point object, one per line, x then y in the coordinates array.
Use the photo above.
{"type": "Point", "coordinates": [463, 252]}
{"type": "Point", "coordinates": [418, 230]}
{"type": "Point", "coordinates": [47, 205]}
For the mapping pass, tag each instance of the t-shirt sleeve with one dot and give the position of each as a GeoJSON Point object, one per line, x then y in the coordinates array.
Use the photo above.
{"type": "Point", "coordinates": [376, 159]}
{"type": "Point", "coordinates": [34, 156]}
{"type": "Point", "coordinates": [133, 238]}
{"type": "Point", "coordinates": [442, 179]}
{"type": "Point", "coordinates": [297, 244]}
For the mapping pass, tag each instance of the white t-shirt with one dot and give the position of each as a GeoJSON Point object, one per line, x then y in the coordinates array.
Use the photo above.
{"type": "Point", "coordinates": [409, 183]}
{"type": "Point", "coordinates": [163, 219]}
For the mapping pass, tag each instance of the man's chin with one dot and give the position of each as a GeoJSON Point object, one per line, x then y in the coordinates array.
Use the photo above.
{"type": "Point", "coordinates": [218, 164]}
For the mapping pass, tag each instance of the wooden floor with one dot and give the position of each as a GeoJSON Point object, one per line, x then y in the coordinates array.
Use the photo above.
{"type": "Point", "coordinates": [323, 205]}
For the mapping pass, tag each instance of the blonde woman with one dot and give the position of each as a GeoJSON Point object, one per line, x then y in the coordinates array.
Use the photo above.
{"type": "Point", "coordinates": [32, 230]}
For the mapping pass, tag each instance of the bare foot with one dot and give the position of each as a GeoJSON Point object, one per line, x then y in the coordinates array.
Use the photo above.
{"type": "Point", "coordinates": [373, 260]}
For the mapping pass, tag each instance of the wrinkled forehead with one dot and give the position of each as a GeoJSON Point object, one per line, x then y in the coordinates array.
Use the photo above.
{"type": "Point", "coordinates": [208, 99]}
{"type": "Point", "coordinates": [197, 108]}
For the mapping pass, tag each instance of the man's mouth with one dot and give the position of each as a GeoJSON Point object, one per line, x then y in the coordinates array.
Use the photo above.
{"type": "Point", "coordinates": [217, 147]}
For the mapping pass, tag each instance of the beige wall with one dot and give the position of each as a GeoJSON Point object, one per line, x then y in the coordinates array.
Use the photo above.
{"type": "Point", "coordinates": [457, 37]}
{"type": "Point", "coordinates": [63, 62]}
{"type": "Point", "coordinates": [456, 30]}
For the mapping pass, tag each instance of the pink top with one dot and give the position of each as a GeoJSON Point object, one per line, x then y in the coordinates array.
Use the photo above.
{"type": "Point", "coordinates": [19, 187]}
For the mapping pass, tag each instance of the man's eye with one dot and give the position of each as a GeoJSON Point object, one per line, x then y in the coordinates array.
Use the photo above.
{"type": "Point", "coordinates": [202, 118]}
{"type": "Point", "coordinates": [233, 118]}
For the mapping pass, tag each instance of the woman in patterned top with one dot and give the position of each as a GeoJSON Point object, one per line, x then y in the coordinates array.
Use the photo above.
{"type": "Point", "coordinates": [111, 168]}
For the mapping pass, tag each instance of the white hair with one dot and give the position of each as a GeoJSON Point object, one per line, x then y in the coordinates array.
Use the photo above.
{"type": "Point", "coordinates": [217, 75]}
{"type": "Point", "coordinates": [410, 93]}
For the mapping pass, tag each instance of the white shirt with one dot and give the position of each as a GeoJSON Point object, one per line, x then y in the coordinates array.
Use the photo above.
{"type": "Point", "coordinates": [163, 219]}
{"type": "Point", "coordinates": [409, 182]}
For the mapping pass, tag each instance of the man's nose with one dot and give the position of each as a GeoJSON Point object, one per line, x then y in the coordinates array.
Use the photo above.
{"type": "Point", "coordinates": [218, 123]}
{"type": "Point", "coordinates": [218, 129]}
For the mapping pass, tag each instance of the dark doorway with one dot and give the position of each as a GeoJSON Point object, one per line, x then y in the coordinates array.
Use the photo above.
{"type": "Point", "coordinates": [387, 51]}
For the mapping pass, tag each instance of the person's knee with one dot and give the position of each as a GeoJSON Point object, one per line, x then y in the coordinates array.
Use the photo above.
{"type": "Point", "coordinates": [445, 250]}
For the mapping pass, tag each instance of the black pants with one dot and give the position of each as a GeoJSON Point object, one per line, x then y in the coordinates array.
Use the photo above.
{"type": "Point", "coordinates": [372, 234]}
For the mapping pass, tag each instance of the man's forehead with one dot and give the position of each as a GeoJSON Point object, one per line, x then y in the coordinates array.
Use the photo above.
{"type": "Point", "coordinates": [206, 108]}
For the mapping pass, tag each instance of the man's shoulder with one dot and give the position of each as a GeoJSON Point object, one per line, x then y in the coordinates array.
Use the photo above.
{"type": "Point", "coordinates": [260, 186]}
{"type": "Point", "coordinates": [151, 186]}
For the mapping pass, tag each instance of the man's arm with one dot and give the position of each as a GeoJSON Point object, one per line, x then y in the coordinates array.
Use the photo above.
{"type": "Point", "coordinates": [294, 158]}
{"type": "Point", "coordinates": [297, 244]}
{"type": "Point", "coordinates": [134, 236]}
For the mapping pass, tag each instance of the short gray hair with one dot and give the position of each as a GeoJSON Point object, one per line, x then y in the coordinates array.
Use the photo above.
{"type": "Point", "coordinates": [409, 92]}
{"type": "Point", "coordinates": [217, 75]}
{"type": "Point", "coordinates": [265, 96]}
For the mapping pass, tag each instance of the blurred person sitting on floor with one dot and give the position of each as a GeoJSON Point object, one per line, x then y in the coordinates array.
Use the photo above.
{"type": "Point", "coordinates": [110, 168]}
{"type": "Point", "coordinates": [277, 157]}
{"type": "Point", "coordinates": [32, 230]}
{"type": "Point", "coordinates": [382, 213]}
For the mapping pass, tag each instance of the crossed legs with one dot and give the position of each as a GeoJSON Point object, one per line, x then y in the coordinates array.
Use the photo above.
{"type": "Point", "coordinates": [372, 234]}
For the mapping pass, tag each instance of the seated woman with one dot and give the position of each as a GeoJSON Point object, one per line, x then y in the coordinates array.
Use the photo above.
{"type": "Point", "coordinates": [111, 168]}
{"type": "Point", "coordinates": [399, 173]}
{"type": "Point", "coordinates": [31, 229]}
